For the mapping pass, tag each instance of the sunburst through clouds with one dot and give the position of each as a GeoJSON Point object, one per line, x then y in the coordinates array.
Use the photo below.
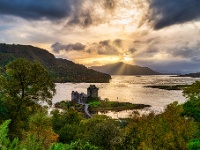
{"type": "Point", "coordinates": [149, 33]}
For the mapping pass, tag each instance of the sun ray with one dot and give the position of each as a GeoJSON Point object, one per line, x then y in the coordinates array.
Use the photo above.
{"type": "Point", "coordinates": [121, 68]}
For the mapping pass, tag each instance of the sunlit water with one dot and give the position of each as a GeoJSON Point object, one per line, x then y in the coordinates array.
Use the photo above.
{"type": "Point", "coordinates": [130, 89]}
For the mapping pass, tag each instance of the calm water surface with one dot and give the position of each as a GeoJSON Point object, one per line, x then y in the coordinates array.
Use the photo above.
{"type": "Point", "coordinates": [131, 89]}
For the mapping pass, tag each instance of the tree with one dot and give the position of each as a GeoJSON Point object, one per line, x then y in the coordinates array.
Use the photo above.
{"type": "Point", "coordinates": [77, 145]}
{"type": "Point", "coordinates": [3, 111]}
{"type": "Point", "coordinates": [192, 110]}
{"type": "Point", "coordinates": [25, 85]}
{"type": "Point", "coordinates": [41, 126]}
{"type": "Point", "coordinates": [66, 124]}
{"type": "Point", "coordinates": [192, 106]}
{"type": "Point", "coordinates": [168, 130]}
{"type": "Point", "coordinates": [194, 144]}
{"type": "Point", "coordinates": [102, 132]}
{"type": "Point", "coordinates": [193, 90]}
{"type": "Point", "coordinates": [5, 144]}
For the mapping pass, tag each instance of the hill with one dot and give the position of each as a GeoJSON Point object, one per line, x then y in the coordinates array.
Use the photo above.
{"type": "Point", "coordinates": [124, 69]}
{"type": "Point", "coordinates": [61, 70]}
{"type": "Point", "coordinates": [193, 75]}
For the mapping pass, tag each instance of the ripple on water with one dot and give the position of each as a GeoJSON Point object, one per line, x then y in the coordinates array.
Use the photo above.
{"type": "Point", "coordinates": [130, 89]}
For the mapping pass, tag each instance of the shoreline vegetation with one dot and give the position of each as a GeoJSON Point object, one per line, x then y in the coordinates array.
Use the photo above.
{"type": "Point", "coordinates": [103, 106]}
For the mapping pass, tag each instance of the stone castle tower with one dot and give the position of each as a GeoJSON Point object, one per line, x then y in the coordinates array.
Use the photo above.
{"type": "Point", "coordinates": [92, 91]}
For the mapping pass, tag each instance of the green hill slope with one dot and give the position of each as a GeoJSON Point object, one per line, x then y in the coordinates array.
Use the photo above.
{"type": "Point", "coordinates": [61, 70]}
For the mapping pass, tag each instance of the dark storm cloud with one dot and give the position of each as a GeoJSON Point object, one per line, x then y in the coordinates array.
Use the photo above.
{"type": "Point", "coordinates": [109, 4]}
{"type": "Point", "coordinates": [182, 50]}
{"type": "Point", "coordinates": [170, 12]}
{"type": "Point", "coordinates": [170, 67]}
{"type": "Point", "coordinates": [75, 12]}
{"type": "Point", "coordinates": [106, 48]}
{"type": "Point", "coordinates": [150, 52]}
{"type": "Point", "coordinates": [179, 58]}
{"type": "Point", "coordinates": [83, 16]}
{"type": "Point", "coordinates": [154, 41]}
{"type": "Point", "coordinates": [151, 47]}
{"type": "Point", "coordinates": [104, 43]}
{"type": "Point", "coordinates": [79, 15]}
{"type": "Point", "coordinates": [53, 10]}
{"type": "Point", "coordinates": [118, 42]}
{"type": "Point", "coordinates": [57, 47]}
{"type": "Point", "coordinates": [137, 41]}
{"type": "Point", "coordinates": [192, 52]}
{"type": "Point", "coordinates": [83, 19]}
{"type": "Point", "coordinates": [36, 9]}
{"type": "Point", "coordinates": [132, 50]}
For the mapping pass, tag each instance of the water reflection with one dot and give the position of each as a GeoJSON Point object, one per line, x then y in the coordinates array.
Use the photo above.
{"type": "Point", "coordinates": [131, 89]}
{"type": "Point", "coordinates": [131, 113]}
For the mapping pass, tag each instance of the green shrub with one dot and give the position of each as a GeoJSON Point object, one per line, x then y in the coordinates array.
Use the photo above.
{"type": "Point", "coordinates": [194, 145]}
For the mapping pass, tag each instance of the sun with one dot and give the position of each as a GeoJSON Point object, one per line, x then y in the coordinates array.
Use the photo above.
{"type": "Point", "coordinates": [127, 59]}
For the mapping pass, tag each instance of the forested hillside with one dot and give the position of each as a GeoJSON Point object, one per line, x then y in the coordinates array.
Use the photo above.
{"type": "Point", "coordinates": [61, 70]}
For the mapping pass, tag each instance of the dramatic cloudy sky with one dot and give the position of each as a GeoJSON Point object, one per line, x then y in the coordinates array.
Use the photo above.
{"type": "Point", "coordinates": [161, 34]}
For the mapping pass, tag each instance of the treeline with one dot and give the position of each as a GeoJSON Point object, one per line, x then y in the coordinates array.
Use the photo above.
{"type": "Point", "coordinates": [61, 70]}
{"type": "Point", "coordinates": [25, 123]}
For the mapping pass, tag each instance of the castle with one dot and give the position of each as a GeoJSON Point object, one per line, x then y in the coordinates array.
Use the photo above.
{"type": "Point", "coordinates": [92, 91]}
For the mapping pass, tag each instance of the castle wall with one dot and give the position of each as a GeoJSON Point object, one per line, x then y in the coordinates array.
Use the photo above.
{"type": "Point", "coordinates": [92, 91]}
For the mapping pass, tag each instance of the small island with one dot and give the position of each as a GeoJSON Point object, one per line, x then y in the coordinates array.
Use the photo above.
{"type": "Point", "coordinates": [90, 103]}
{"type": "Point", "coordinates": [106, 105]}
{"type": "Point", "coordinates": [168, 87]}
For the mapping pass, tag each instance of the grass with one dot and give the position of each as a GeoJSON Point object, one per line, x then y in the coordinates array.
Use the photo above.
{"type": "Point", "coordinates": [97, 105]}
{"type": "Point", "coordinates": [94, 103]}
{"type": "Point", "coordinates": [103, 106]}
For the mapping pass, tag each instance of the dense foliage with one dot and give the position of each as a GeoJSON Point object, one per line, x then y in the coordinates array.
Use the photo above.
{"type": "Point", "coordinates": [25, 124]}
{"type": "Point", "coordinates": [66, 124]}
{"type": "Point", "coordinates": [24, 86]}
{"type": "Point", "coordinates": [164, 131]}
{"type": "Point", "coordinates": [61, 70]}
{"type": "Point", "coordinates": [192, 110]}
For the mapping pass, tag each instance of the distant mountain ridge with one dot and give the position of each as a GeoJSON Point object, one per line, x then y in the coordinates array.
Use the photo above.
{"type": "Point", "coordinates": [124, 69]}
{"type": "Point", "coordinates": [193, 75]}
{"type": "Point", "coordinates": [61, 70]}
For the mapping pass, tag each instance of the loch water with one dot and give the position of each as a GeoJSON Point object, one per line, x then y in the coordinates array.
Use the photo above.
{"type": "Point", "coordinates": [131, 89]}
